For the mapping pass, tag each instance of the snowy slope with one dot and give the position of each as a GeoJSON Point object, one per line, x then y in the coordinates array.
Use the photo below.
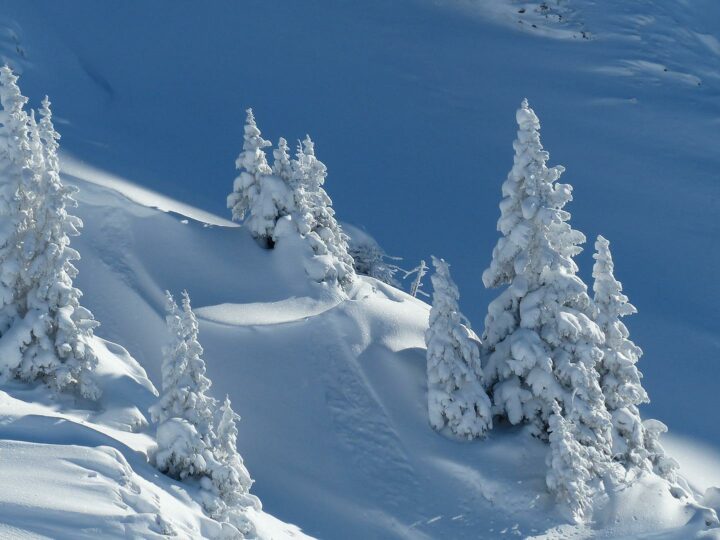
{"type": "Point", "coordinates": [332, 395]}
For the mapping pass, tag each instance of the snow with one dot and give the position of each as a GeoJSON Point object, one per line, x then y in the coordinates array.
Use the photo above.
{"type": "Point", "coordinates": [332, 394]}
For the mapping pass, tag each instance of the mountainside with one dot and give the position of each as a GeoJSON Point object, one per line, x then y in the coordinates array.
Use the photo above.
{"type": "Point", "coordinates": [411, 104]}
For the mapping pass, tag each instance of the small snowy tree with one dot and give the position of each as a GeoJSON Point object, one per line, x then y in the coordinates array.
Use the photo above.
{"type": "Point", "coordinates": [315, 219]}
{"type": "Point", "coordinates": [663, 465]}
{"type": "Point", "coordinates": [541, 343]}
{"type": "Point", "coordinates": [60, 350]}
{"type": "Point", "coordinates": [183, 404]}
{"type": "Point", "coordinates": [619, 376]}
{"type": "Point", "coordinates": [456, 397]}
{"type": "Point", "coordinates": [258, 199]}
{"type": "Point", "coordinates": [230, 477]}
{"type": "Point", "coordinates": [570, 470]}
{"type": "Point", "coordinates": [282, 164]}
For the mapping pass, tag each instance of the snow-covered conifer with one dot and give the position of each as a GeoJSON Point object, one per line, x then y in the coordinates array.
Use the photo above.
{"type": "Point", "coordinates": [230, 477]}
{"type": "Point", "coordinates": [456, 397]}
{"type": "Point", "coordinates": [315, 219]}
{"type": "Point", "coordinates": [184, 383]}
{"type": "Point", "coordinates": [17, 172]}
{"type": "Point", "coordinates": [570, 470]}
{"type": "Point", "coordinates": [259, 198]}
{"type": "Point", "coordinates": [619, 377]}
{"type": "Point", "coordinates": [540, 340]}
{"type": "Point", "coordinates": [663, 465]}
{"type": "Point", "coordinates": [60, 350]}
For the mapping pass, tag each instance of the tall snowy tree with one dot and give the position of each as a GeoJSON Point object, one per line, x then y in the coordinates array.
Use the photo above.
{"type": "Point", "coordinates": [17, 170]}
{"type": "Point", "coordinates": [259, 198]}
{"type": "Point", "coordinates": [456, 397]}
{"type": "Point", "coordinates": [315, 219]}
{"type": "Point", "coordinates": [60, 351]}
{"type": "Point", "coordinates": [620, 379]}
{"type": "Point", "coordinates": [570, 469]}
{"type": "Point", "coordinates": [541, 342]}
{"type": "Point", "coordinates": [184, 412]}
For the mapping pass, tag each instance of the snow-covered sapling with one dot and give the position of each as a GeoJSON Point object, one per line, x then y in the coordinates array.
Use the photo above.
{"type": "Point", "coordinates": [456, 397]}
{"type": "Point", "coordinates": [416, 286]}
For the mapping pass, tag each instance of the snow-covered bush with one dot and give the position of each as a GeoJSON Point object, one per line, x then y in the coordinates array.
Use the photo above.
{"type": "Point", "coordinates": [259, 198]}
{"type": "Point", "coordinates": [456, 397]}
{"type": "Point", "coordinates": [540, 340]}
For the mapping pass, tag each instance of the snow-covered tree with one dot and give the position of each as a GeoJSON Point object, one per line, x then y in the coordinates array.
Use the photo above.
{"type": "Point", "coordinates": [570, 469]}
{"type": "Point", "coordinates": [183, 403]}
{"type": "Point", "coordinates": [416, 286]}
{"type": "Point", "coordinates": [315, 219]}
{"type": "Point", "coordinates": [60, 349]}
{"type": "Point", "coordinates": [17, 171]}
{"type": "Point", "coordinates": [230, 477]}
{"type": "Point", "coordinates": [259, 198]}
{"type": "Point", "coordinates": [540, 340]}
{"type": "Point", "coordinates": [619, 377]}
{"type": "Point", "coordinates": [456, 397]}
{"type": "Point", "coordinates": [184, 383]}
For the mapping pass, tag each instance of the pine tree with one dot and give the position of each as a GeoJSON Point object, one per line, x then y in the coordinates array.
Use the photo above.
{"type": "Point", "coordinates": [184, 413]}
{"type": "Point", "coordinates": [619, 376]}
{"type": "Point", "coordinates": [540, 341]}
{"type": "Point", "coordinates": [17, 170]}
{"type": "Point", "coordinates": [369, 259]}
{"type": "Point", "coordinates": [456, 397]}
{"type": "Point", "coordinates": [315, 218]}
{"type": "Point", "coordinates": [60, 351]}
{"type": "Point", "coordinates": [570, 469]}
{"type": "Point", "coordinates": [184, 383]}
{"type": "Point", "coordinates": [230, 477]}
{"type": "Point", "coordinates": [416, 286]}
{"type": "Point", "coordinates": [258, 199]}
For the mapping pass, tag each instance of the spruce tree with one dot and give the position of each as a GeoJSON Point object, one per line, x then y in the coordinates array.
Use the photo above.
{"type": "Point", "coordinates": [620, 379]}
{"type": "Point", "coordinates": [456, 397]}
{"type": "Point", "coordinates": [230, 477]}
{"type": "Point", "coordinates": [17, 170]}
{"type": "Point", "coordinates": [258, 199]}
{"type": "Point", "coordinates": [540, 340]}
{"type": "Point", "coordinates": [60, 351]}
{"type": "Point", "coordinates": [183, 412]}
{"type": "Point", "coordinates": [315, 218]}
